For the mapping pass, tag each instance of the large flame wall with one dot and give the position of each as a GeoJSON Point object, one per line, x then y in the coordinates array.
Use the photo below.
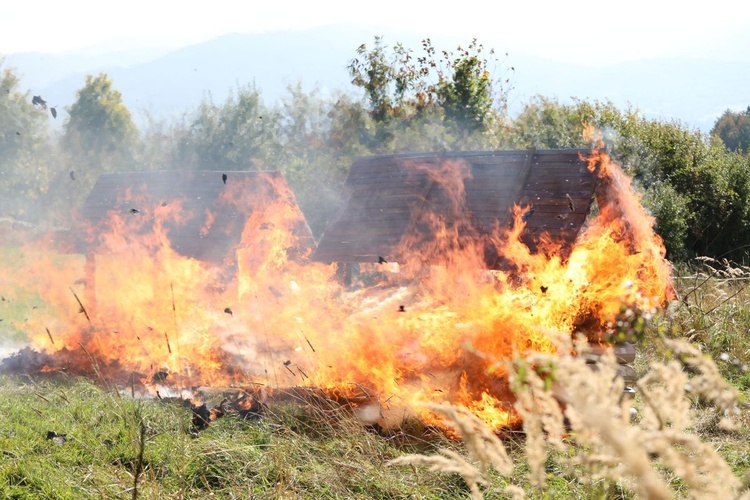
{"type": "Point", "coordinates": [434, 328]}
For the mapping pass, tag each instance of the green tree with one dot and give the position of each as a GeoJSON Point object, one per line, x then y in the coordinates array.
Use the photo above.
{"type": "Point", "coordinates": [399, 84]}
{"type": "Point", "coordinates": [733, 128]}
{"type": "Point", "coordinates": [240, 134]}
{"type": "Point", "coordinates": [98, 122]}
{"type": "Point", "coordinates": [384, 81]}
{"type": "Point", "coordinates": [98, 136]}
{"type": "Point", "coordinates": [99, 133]}
{"type": "Point", "coordinates": [24, 148]}
{"type": "Point", "coordinates": [548, 123]}
{"type": "Point", "coordinates": [467, 96]}
{"type": "Point", "coordinates": [693, 187]}
{"type": "Point", "coordinates": [158, 147]}
{"type": "Point", "coordinates": [319, 139]}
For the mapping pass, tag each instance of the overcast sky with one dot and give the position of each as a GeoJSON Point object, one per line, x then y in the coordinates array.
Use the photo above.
{"type": "Point", "coordinates": [579, 31]}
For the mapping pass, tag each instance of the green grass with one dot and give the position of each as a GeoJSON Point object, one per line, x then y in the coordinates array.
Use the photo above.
{"type": "Point", "coordinates": [292, 452]}
{"type": "Point", "coordinates": [713, 312]}
{"type": "Point", "coordinates": [304, 451]}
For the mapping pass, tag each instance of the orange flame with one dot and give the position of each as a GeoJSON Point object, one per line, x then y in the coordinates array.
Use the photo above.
{"type": "Point", "coordinates": [436, 329]}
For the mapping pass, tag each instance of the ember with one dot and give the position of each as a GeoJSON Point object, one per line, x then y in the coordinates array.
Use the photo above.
{"type": "Point", "coordinates": [451, 240]}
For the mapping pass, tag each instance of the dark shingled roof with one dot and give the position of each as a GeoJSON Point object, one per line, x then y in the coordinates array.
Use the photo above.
{"type": "Point", "coordinates": [387, 195]}
{"type": "Point", "coordinates": [210, 214]}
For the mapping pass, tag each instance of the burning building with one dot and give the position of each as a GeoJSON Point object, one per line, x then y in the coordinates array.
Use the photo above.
{"type": "Point", "coordinates": [391, 196]}
{"type": "Point", "coordinates": [201, 215]}
{"type": "Point", "coordinates": [465, 261]}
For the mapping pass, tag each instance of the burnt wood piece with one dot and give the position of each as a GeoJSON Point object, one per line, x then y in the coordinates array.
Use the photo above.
{"type": "Point", "coordinates": [201, 417]}
{"type": "Point", "coordinates": [388, 194]}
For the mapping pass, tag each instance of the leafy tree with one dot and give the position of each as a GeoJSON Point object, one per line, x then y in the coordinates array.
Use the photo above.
{"type": "Point", "coordinates": [24, 148]}
{"type": "Point", "coordinates": [467, 97]}
{"type": "Point", "coordinates": [734, 130]}
{"type": "Point", "coordinates": [98, 136]}
{"type": "Point", "coordinates": [99, 128]}
{"type": "Point", "coordinates": [158, 147]}
{"type": "Point", "coordinates": [401, 85]}
{"type": "Point", "coordinates": [384, 81]}
{"type": "Point", "coordinates": [319, 139]}
{"type": "Point", "coordinates": [241, 134]}
{"type": "Point", "coordinates": [694, 187]}
{"type": "Point", "coordinates": [548, 123]}
{"type": "Point", "coordinates": [671, 211]}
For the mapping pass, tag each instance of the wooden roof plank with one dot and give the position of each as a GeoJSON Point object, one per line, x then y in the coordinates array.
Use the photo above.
{"type": "Point", "coordinates": [548, 180]}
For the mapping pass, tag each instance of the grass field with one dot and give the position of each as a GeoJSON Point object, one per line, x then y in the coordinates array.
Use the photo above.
{"type": "Point", "coordinates": [118, 447]}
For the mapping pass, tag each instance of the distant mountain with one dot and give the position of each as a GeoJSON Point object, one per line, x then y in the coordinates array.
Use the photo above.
{"type": "Point", "coordinates": [164, 84]}
{"type": "Point", "coordinates": [177, 81]}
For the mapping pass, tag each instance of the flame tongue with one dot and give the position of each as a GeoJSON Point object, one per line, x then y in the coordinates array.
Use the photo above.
{"type": "Point", "coordinates": [435, 328]}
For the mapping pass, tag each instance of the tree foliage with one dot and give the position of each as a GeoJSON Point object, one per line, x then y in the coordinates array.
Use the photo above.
{"type": "Point", "coordinates": [693, 186]}
{"type": "Point", "coordinates": [733, 128]}
{"type": "Point", "coordinates": [24, 148]}
{"type": "Point", "coordinates": [319, 137]}
{"type": "Point", "coordinates": [383, 79]}
{"type": "Point", "coordinates": [467, 96]}
{"type": "Point", "coordinates": [400, 84]}
{"type": "Point", "coordinates": [99, 128]}
{"type": "Point", "coordinates": [240, 134]}
{"type": "Point", "coordinates": [99, 136]}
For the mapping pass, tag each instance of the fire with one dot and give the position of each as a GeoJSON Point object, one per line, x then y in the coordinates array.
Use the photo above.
{"type": "Point", "coordinates": [437, 327]}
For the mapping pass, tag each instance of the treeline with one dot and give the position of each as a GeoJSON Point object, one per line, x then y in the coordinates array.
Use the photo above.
{"type": "Point", "coordinates": [402, 100]}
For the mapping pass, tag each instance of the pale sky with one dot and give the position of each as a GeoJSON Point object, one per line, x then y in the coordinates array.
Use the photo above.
{"type": "Point", "coordinates": [574, 31]}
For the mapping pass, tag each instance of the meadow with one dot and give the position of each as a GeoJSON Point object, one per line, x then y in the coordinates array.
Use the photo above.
{"type": "Point", "coordinates": [684, 435]}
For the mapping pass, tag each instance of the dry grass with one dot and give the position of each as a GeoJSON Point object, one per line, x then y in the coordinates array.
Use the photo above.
{"type": "Point", "coordinates": [484, 449]}
{"type": "Point", "coordinates": [584, 423]}
{"type": "Point", "coordinates": [673, 440]}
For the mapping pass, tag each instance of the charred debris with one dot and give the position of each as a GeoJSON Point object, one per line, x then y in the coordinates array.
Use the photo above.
{"type": "Point", "coordinates": [234, 403]}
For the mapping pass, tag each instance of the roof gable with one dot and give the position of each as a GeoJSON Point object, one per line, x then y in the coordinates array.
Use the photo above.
{"type": "Point", "coordinates": [388, 195]}
{"type": "Point", "coordinates": [202, 212]}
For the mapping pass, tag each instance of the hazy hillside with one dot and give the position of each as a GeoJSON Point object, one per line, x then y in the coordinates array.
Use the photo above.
{"type": "Point", "coordinates": [162, 85]}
